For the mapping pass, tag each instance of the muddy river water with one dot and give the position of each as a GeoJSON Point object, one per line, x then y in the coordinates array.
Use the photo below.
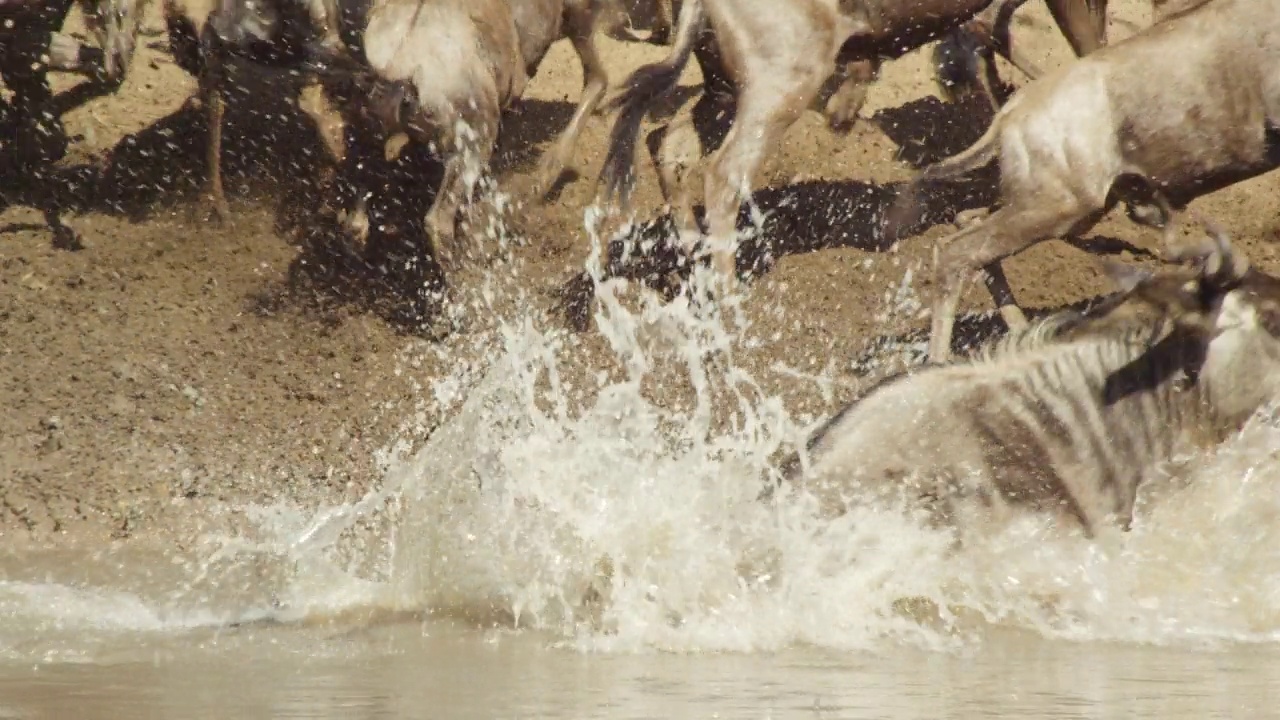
{"type": "Point", "coordinates": [415, 670]}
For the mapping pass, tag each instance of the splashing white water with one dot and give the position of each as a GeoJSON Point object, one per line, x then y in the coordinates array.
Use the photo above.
{"type": "Point", "coordinates": [518, 506]}
{"type": "Point", "coordinates": [633, 522]}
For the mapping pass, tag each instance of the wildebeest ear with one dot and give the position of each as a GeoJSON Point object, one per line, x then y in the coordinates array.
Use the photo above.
{"type": "Point", "coordinates": [1125, 276]}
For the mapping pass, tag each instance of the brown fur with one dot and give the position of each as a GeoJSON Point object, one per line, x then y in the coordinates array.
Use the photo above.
{"type": "Point", "coordinates": [514, 37]}
{"type": "Point", "coordinates": [1101, 130]}
{"type": "Point", "coordinates": [540, 23]}
{"type": "Point", "coordinates": [1069, 419]}
{"type": "Point", "coordinates": [806, 41]}
{"type": "Point", "coordinates": [401, 90]}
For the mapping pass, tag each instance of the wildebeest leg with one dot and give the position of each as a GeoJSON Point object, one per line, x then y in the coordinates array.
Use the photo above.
{"type": "Point", "coordinates": [1146, 205]}
{"type": "Point", "coordinates": [678, 149]}
{"type": "Point", "coordinates": [1172, 220]}
{"type": "Point", "coordinates": [64, 236]}
{"type": "Point", "coordinates": [675, 150]}
{"type": "Point", "coordinates": [964, 60]}
{"type": "Point", "coordinates": [992, 27]}
{"type": "Point", "coordinates": [993, 23]}
{"type": "Point", "coordinates": [595, 82]}
{"type": "Point", "coordinates": [765, 112]}
{"type": "Point", "coordinates": [472, 150]}
{"type": "Point", "coordinates": [355, 177]}
{"type": "Point", "coordinates": [1083, 22]}
{"type": "Point", "coordinates": [965, 218]}
{"type": "Point", "coordinates": [328, 119]}
{"type": "Point", "coordinates": [38, 138]}
{"type": "Point", "coordinates": [853, 80]}
{"type": "Point", "coordinates": [1002, 294]}
{"type": "Point", "coordinates": [325, 17]}
{"type": "Point", "coordinates": [997, 282]}
{"type": "Point", "coordinates": [715, 76]}
{"type": "Point", "coordinates": [215, 106]}
{"type": "Point", "coordinates": [663, 21]}
{"type": "Point", "coordinates": [66, 54]}
{"type": "Point", "coordinates": [1006, 232]}
{"type": "Point", "coordinates": [442, 216]}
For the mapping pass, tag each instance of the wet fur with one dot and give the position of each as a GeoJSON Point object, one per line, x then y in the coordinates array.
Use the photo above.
{"type": "Point", "coordinates": [1100, 131]}
{"type": "Point", "coordinates": [778, 55]}
{"type": "Point", "coordinates": [1143, 359]}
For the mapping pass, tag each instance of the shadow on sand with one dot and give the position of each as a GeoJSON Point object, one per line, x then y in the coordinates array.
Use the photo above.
{"type": "Point", "coordinates": [811, 215]}
{"type": "Point", "coordinates": [270, 150]}
{"type": "Point", "coordinates": [273, 152]}
{"type": "Point", "coordinates": [393, 273]}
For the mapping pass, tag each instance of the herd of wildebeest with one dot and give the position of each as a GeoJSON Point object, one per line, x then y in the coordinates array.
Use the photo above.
{"type": "Point", "coordinates": [1067, 415]}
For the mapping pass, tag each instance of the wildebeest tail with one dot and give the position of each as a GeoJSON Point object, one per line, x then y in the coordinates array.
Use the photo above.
{"type": "Point", "coordinates": [641, 89]}
{"type": "Point", "coordinates": [975, 157]}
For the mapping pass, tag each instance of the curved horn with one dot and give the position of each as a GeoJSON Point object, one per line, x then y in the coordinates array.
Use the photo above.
{"type": "Point", "coordinates": [1221, 264]}
{"type": "Point", "coordinates": [1225, 266]}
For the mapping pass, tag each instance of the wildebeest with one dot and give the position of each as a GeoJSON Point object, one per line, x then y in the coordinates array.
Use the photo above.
{"type": "Point", "coordinates": [965, 56]}
{"type": "Point", "coordinates": [31, 46]}
{"type": "Point", "coordinates": [778, 54]}
{"type": "Point", "coordinates": [539, 24]}
{"type": "Point", "coordinates": [205, 34]}
{"type": "Point", "coordinates": [664, 18]}
{"type": "Point", "coordinates": [1181, 109]}
{"type": "Point", "coordinates": [442, 72]}
{"type": "Point", "coordinates": [1069, 417]}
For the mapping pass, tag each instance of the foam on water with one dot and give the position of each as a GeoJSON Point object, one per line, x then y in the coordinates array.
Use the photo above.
{"type": "Point", "coordinates": [634, 524]}
{"type": "Point", "coordinates": [514, 508]}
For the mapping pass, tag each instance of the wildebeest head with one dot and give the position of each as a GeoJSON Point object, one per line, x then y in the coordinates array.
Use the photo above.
{"type": "Point", "coordinates": [1231, 309]}
{"type": "Point", "coordinates": [114, 24]}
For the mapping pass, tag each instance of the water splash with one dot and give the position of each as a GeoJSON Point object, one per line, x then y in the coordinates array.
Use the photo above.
{"type": "Point", "coordinates": [520, 508]}
{"type": "Point", "coordinates": [611, 499]}
{"type": "Point", "coordinates": [633, 522]}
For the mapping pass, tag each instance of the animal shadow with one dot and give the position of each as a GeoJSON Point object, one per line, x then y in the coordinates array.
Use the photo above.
{"type": "Point", "coordinates": [812, 215]}
{"type": "Point", "coordinates": [392, 273]}
{"type": "Point", "coordinates": [270, 150]}
{"type": "Point", "coordinates": [32, 168]}
{"type": "Point", "coordinates": [799, 218]}
{"type": "Point", "coordinates": [526, 130]}
{"type": "Point", "coordinates": [927, 130]}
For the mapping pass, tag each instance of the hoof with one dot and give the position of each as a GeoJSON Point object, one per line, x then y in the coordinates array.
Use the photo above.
{"type": "Point", "coordinates": [64, 238]}
{"type": "Point", "coordinates": [216, 211]}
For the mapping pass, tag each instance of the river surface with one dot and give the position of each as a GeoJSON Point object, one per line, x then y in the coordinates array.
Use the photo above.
{"type": "Point", "coordinates": [412, 669]}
